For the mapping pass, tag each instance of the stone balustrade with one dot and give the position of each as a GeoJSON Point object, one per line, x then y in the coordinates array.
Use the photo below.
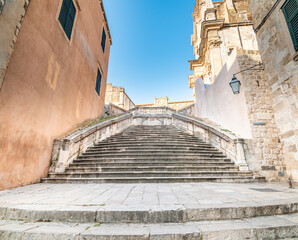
{"type": "Point", "coordinates": [67, 149]}
{"type": "Point", "coordinates": [229, 144]}
{"type": "Point", "coordinates": [188, 110]}
{"type": "Point", "coordinates": [152, 115]}
{"type": "Point", "coordinates": [112, 110]}
{"type": "Point", "coordinates": [152, 110]}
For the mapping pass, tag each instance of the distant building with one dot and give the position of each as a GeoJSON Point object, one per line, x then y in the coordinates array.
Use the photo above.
{"type": "Point", "coordinates": [164, 102]}
{"type": "Point", "coordinates": [118, 96]}
{"type": "Point", "coordinates": [53, 71]}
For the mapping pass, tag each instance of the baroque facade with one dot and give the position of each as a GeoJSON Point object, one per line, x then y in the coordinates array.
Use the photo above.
{"type": "Point", "coordinates": [226, 46]}
{"type": "Point", "coordinates": [53, 69]}
{"type": "Point", "coordinates": [219, 28]}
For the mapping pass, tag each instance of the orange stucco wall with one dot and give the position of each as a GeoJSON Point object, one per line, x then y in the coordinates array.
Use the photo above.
{"type": "Point", "coordinates": [49, 87]}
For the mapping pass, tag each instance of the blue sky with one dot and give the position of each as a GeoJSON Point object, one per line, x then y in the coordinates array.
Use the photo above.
{"type": "Point", "coordinates": [151, 48]}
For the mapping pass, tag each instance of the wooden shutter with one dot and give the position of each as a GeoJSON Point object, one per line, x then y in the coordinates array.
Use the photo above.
{"type": "Point", "coordinates": [103, 39]}
{"type": "Point", "coordinates": [70, 20]}
{"type": "Point", "coordinates": [98, 82]}
{"type": "Point", "coordinates": [67, 16]}
{"type": "Point", "coordinates": [290, 10]}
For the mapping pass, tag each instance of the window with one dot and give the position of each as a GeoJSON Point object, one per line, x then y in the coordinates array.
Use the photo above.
{"type": "Point", "coordinates": [103, 39]}
{"type": "Point", "coordinates": [67, 16]}
{"type": "Point", "coordinates": [98, 82]}
{"type": "Point", "coordinates": [290, 10]}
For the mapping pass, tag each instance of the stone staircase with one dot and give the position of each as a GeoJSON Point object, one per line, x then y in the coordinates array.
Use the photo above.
{"type": "Point", "coordinates": [151, 154]}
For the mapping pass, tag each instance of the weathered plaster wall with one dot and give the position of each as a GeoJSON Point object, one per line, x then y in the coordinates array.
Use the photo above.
{"type": "Point", "coordinates": [11, 19]}
{"type": "Point", "coordinates": [281, 68]}
{"type": "Point", "coordinates": [2, 2]}
{"type": "Point", "coordinates": [48, 87]}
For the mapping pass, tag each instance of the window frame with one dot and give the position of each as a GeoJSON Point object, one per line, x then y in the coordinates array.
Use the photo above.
{"type": "Point", "coordinates": [101, 74]}
{"type": "Point", "coordinates": [103, 33]}
{"type": "Point", "coordinates": [74, 22]}
{"type": "Point", "coordinates": [290, 28]}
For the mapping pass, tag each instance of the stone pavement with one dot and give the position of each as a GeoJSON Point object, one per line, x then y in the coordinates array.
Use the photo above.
{"type": "Point", "coordinates": [146, 196]}
{"type": "Point", "coordinates": [149, 211]}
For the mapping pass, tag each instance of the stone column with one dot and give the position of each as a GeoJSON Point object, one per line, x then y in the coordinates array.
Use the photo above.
{"type": "Point", "coordinates": [240, 156]}
{"type": "Point", "coordinates": [121, 98]}
{"type": "Point", "coordinates": [63, 157]}
{"type": "Point", "coordinates": [215, 57]}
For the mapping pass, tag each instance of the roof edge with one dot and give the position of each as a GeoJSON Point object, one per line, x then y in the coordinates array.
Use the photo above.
{"type": "Point", "coordinates": [105, 20]}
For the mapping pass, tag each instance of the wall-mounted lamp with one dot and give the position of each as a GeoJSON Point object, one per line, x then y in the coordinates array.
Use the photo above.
{"type": "Point", "coordinates": [235, 83]}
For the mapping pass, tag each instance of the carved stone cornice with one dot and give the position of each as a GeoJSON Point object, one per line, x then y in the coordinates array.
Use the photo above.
{"type": "Point", "coordinates": [206, 27]}
{"type": "Point", "coordinates": [214, 42]}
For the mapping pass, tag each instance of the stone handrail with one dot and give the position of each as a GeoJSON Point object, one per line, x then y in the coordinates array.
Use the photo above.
{"type": "Point", "coordinates": [232, 146]}
{"type": "Point", "coordinates": [152, 110]}
{"type": "Point", "coordinates": [117, 108]}
{"type": "Point", "coordinates": [189, 110]}
{"type": "Point", "coordinates": [67, 149]}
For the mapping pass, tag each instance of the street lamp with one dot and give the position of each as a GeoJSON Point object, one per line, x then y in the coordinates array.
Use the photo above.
{"type": "Point", "coordinates": [236, 84]}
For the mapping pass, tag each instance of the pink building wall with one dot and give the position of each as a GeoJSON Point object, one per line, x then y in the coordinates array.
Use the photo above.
{"type": "Point", "coordinates": [49, 87]}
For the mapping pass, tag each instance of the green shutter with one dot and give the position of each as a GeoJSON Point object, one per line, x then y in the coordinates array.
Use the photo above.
{"type": "Point", "coordinates": [290, 10]}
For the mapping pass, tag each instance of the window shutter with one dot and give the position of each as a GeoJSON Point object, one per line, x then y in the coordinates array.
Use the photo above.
{"type": "Point", "coordinates": [103, 39]}
{"type": "Point", "coordinates": [290, 10]}
{"type": "Point", "coordinates": [67, 16]}
{"type": "Point", "coordinates": [98, 82]}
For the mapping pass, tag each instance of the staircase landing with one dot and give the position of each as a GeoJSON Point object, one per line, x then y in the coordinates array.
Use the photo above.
{"type": "Point", "coordinates": [149, 211]}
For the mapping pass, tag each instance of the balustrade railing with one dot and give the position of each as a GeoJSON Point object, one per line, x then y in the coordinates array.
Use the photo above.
{"type": "Point", "coordinates": [152, 110]}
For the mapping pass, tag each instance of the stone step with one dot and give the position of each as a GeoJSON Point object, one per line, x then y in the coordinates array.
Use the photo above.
{"type": "Point", "coordinates": [144, 154]}
{"type": "Point", "coordinates": [152, 137]}
{"type": "Point", "coordinates": [150, 144]}
{"type": "Point", "coordinates": [232, 179]}
{"type": "Point", "coordinates": [147, 139]}
{"type": "Point", "coordinates": [152, 152]}
{"type": "Point", "coordinates": [150, 173]}
{"type": "Point", "coordinates": [150, 167]}
{"type": "Point", "coordinates": [95, 163]}
{"type": "Point", "coordinates": [272, 227]}
{"type": "Point", "coordinates": [153, 161]}
{"type": "Point", "coordinates": [117, 148]}
{"type": "Point", "coordinates": [141, 134]}
{"type": "Point", "coordinates": [161, 150]}
{"type": "Point", "coordinates": [145, 213]}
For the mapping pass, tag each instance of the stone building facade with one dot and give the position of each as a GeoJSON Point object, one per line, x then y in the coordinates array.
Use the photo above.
{"type": "Point", "coordinates": [53, 69]}
{"type": "Point", "coordinates": [164, 102]}
{"type": "Point", "coordinates": [219, 28]}
{"type": "Point", "coordinates": [117, 95]}
{"type": "Point", "coordinates": [277, 41]}
{"type": "Point", "coordinates": [225, 45]}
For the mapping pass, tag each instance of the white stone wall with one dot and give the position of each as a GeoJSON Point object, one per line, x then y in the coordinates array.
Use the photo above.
{"type": "Point", "coordinates": [218, 103]}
